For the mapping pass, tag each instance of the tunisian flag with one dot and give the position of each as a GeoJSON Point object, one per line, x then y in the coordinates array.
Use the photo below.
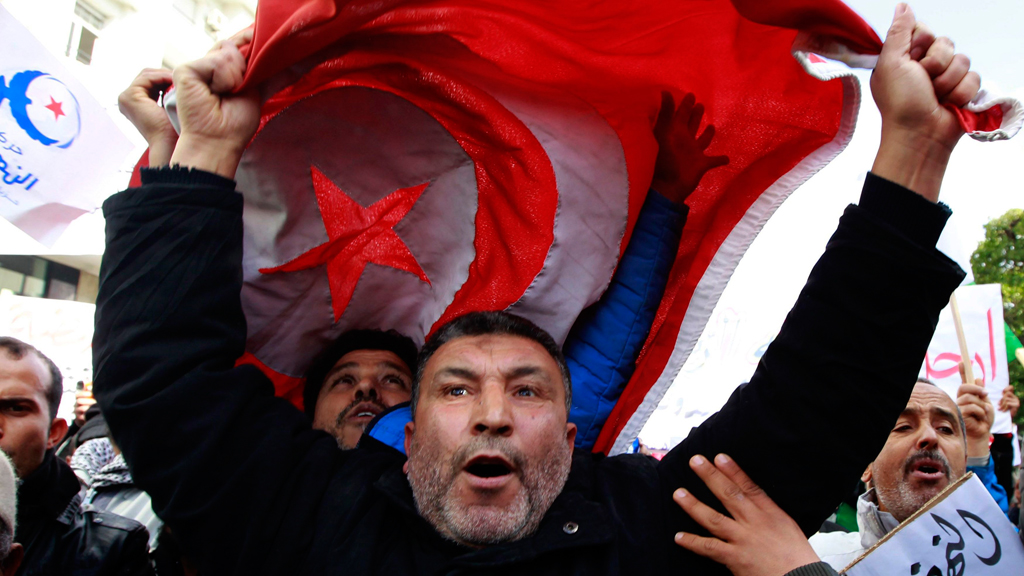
{"type": "Point", "coordinates": [419, 159]}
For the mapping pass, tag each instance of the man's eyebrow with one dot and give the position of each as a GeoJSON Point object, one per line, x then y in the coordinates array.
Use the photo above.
{"type": "Point", "coordinates": [394, 366]}
{"type": "Point", "coordinates": [6, 400]}
{"type": "Point", "coordinates": [524, 371]}
{"type": "Point", "coordinates": [340, 367]}
{"type": "Point", "coordinates": [945, 413]}
{"type": "Point", "coordinates": [456, 372]}
{"type": "Point", "coordinates": [910, 411]}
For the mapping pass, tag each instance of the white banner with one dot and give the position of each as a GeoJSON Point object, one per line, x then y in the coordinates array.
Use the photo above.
{"type": "Point", "coordinates": [59, 151]}
{"type": "Point", "coordinates": [981, 310]}
{"type": "Point", "coordinates": [61, 329]}
{"type": "Point", "coordinates": [959, 532]}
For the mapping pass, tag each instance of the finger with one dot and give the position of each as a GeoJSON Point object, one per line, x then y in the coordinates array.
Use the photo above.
{"type": "Point", "coordinates": [939, 56]}
{"type": "Point", "coordinates": [704, 140]}
{"type": "Point", "coordinates": [695, 116]}
{"type": "Point", "coordinates": [681, 120]}
{"type": "Point", "coordinates": [952, 76]}
{"type": "Point", "coordinates": [716, 161]}
{"type": "Point", "coordinates": [664, 121]}
{"type": "Point", "coordinates": [727, 492]}
{"type": "Point", "coordinates": [920, 41]}
{"type": "Point", "coordinates": [973, 412]}
{"type": "Point", "coordinates": [898, 39]}
{"type": "Point", "coordinates": [710, 519]}
{"type": "Point", "coordinates": [712, 548]}
{"type": "Point", "coordinates": [750, 489]}
{"type": "Point", "coordinates": [242, 37]}
{"type": "Point", "coordinates": [228, 75]}
{"type": "Point", "coordinates": [965, 91]}
{"type": "Point", "coordinates": [221, 70]}
{"type": "Point", "coordinates": [974, 389]}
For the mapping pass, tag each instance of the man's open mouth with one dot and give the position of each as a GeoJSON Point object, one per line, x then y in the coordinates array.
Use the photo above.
{"type": "Point", "coordinates": [928, 469]}
{"type": "Point", "coordinates": [489, 466]}
{"type": "Point", "coordinates": [364, 411]}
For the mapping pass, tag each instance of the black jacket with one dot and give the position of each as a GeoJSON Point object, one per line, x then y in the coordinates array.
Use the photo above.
{"type": "Point", "coordinates": [59, 538]}
{"type": "Point", "coordinates": [253, 489]}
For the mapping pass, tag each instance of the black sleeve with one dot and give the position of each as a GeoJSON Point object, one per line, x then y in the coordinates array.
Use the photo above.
{"type": "Point", "coordinates": [228, 465]}
{"type": "Point", "coordinates": [824, 397]}
{"type": "Point", "coordinates": [816, 569]}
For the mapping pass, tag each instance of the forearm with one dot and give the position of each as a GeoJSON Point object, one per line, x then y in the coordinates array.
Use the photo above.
{"type": "Point", "coordinates": [916, 163]}
{"type": "Point", "coordinates": [169, 327]}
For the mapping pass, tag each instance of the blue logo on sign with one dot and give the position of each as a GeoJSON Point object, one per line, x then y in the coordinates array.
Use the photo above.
{"type": "Point", "coordinates": [43, 107]}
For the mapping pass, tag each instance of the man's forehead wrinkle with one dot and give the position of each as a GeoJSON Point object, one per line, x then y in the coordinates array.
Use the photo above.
{"type": "Point", "coordinates": [456, 372]}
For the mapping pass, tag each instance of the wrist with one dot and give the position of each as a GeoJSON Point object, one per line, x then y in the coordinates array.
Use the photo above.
{"type": "Point", "coordinates": [912, 160]}
{"type": "Point", "coordinates": [218, 156]}
{"type": "Point", "coordinates": [977, 447]}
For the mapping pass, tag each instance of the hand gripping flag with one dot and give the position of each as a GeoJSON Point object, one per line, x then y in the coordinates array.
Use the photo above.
{"type": "Point", "coordinates": [417, 160]}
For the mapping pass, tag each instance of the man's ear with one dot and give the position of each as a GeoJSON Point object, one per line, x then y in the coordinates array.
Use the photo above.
{"type": "Point", "coordinates": [410, 429]}
{"type": "Point", "coordinates": [58, 428]}
{"type": "Point", "coordinates": [866, 476]}
{"type": "Point", "coordinates": [570, 434]}
{"type": "Point", "coordinates": [9, 566]}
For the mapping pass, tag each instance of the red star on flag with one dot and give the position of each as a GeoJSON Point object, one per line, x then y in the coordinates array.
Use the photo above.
{"type": "Point", "coordinates": [356, 236]}
{"type": "Point", "coordinates": [56, 108]}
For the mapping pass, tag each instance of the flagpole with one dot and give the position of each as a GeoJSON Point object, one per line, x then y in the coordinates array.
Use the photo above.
{"type": "Point", "coordinates": [964, 354]}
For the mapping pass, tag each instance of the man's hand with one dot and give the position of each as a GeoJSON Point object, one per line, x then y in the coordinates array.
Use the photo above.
{"type": "Point", "coordinates": [759, 540]}
{"type": "Point", "coordinates": [978, 413]}
{"type": "Point", "coordinates": [682, 159]}
{"type": "Point", "coordinates": [83, 401]}
{"type": "Point", "coordinates": [1009, 402]}
{"type": "Point", "coordinates": [139, 104]}
{"type": "Point", "coordinates": [216, 124]}
{"type": "Point", "coordinates": [916, 76]}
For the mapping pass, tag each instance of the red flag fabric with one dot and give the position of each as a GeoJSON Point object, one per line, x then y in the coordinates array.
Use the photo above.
{"type": "Point", "coordinates": [421, 159]}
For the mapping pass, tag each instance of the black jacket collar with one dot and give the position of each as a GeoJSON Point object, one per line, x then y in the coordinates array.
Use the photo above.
{"type": "Point", "coordinates": [45, 494]}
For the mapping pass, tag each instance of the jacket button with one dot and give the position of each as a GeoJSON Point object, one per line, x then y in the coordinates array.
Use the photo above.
{"type": "Point", "coordinates": [98, 520]}
{"type": "Point", "coordinates": [570, 527]}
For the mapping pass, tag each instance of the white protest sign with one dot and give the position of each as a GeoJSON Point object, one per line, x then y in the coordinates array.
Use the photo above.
{"type": "Point", "coordinates": [960, 532]}
{"type": "Point", "coordinates": [61, 329]}
{"type": "Point", "coordinates": [59, 151]}
{"type": "Point", "coordinates": [981, 310]}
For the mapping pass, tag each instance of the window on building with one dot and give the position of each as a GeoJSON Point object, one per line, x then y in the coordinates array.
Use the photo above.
{"type": "Point", "coordinates": [85, 27]}
{"type": "Point", "coordinates": [38, 277]}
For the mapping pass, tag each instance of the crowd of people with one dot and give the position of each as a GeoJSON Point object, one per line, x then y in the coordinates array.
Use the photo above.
{"type": "Point", "coordinates": [472, 454]}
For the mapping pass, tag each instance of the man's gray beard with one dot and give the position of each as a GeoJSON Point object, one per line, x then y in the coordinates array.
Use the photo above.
{"type": "Point", "coordinates": [902, 500]}
{"type": "Point", "coordinates": [432, 481]}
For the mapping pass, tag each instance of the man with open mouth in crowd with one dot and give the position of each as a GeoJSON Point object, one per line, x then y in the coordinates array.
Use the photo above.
{"type": "Point", "coordinates": [492, 484]}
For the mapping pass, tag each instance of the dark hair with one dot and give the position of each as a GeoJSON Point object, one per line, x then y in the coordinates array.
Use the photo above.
{"type": "Point", "coordinates": [482, 324]}
{"type": "Point", "coordinates": [391, 341]}
{"type": "Point", "coordinates": [18, 349]}
{"type": "Point", "coordinates": [963, 425]}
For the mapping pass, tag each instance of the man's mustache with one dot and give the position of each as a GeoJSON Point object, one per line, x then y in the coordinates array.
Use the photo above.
{"type": "Point", "coordinates": [934, 455]}
{"type": "Point", "coordinates": [489, 443]}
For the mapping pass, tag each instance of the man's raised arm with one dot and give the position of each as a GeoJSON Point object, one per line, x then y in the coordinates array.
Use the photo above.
{"type": "Point", "coordinates": [222, 458]}
{"type": "Point", "coordinates": [824, 396]}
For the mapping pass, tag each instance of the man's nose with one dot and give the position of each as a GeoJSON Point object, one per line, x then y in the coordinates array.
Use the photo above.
{"type": "Point", "coordinates": [366, 387]}
{"type": "Point", "coordinates": [492, 411]}
{"type": "Point", "coordinates": [927, 438]}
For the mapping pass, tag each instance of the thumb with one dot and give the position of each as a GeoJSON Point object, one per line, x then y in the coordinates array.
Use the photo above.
{"type": "Point", "coordinates": [901, 32]}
